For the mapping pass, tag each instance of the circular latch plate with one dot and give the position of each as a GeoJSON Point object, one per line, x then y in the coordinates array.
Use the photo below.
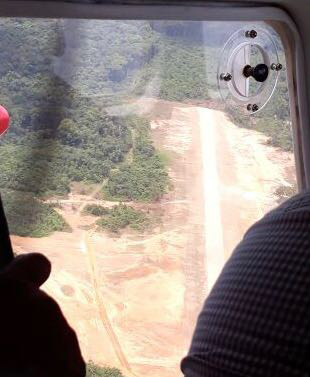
{"type": "Point", "coordinates": [242, 77]}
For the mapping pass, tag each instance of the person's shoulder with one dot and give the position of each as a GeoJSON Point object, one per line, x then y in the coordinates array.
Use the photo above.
{"type": "Point", "coordinates": [249, 322]}
{"type": "Point", "coordinates": [299, 201]}
{"type": "Point", "coordinates": [289, 214]}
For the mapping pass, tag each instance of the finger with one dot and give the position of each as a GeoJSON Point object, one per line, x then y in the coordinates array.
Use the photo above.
{"type": "Point", "coordinates": [47, 346]}
{"type": "Point", "coordinates": [6, 254]}
{"type": "Point", "coordinates": [34, 268]}
{"type": "Point", "coordinates": [52, 335]}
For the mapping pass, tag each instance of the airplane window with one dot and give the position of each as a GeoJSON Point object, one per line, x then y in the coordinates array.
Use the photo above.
{"type": "Point", "coordinates": [139, 153]}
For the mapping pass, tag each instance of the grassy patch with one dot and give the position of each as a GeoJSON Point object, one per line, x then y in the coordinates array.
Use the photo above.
{"type": "Point", "coordinates": [145, 178]}
{"type": "Point", "coordinates": [285, 192]}
{"type": "Point", "coordinates": [94, 370]}
{"type": "Point", "coordinates": [279, 132]}
{"type": "Point", "coordinates": [29, 217]}
{"type": "Point", "coordinates": [165, 156]}
{"type": "Point", "coordinates": [122, 216]}
{"type": "Point", "coordinates": [95, 210]}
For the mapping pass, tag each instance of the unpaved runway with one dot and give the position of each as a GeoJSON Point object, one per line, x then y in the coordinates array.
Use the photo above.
{"type": "Point", "coordinates": [241, 174]}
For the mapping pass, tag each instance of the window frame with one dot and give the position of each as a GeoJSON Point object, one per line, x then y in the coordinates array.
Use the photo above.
{"type": "Point", "coordinates": [276, 17]}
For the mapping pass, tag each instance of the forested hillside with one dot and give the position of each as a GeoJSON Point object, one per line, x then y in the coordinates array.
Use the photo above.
{"type": "Point", "coordinates": [58, 79]}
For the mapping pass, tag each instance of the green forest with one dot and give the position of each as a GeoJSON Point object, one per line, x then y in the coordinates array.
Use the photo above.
{"type": "Point", "coordinates": [59, 78]}
{"type": "Point", "coordinates": [119, 217]}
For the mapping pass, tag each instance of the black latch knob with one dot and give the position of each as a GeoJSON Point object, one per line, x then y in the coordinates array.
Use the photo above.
{"type": "Point", "coordinates": [259, 73]}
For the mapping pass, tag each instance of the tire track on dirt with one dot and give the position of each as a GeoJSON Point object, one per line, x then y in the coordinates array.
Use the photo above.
{"type": "Point", "coordinates": [102, 310]}
{"type": "Point", "coordinates": [98, 298]}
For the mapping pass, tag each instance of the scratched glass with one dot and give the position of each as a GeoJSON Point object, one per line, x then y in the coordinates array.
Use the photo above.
{"type": "Point", "coordinates": [126, 169]}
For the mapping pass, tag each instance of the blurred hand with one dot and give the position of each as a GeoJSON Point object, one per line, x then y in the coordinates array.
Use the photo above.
{"type": "Point", "coordinates": [35, 340]}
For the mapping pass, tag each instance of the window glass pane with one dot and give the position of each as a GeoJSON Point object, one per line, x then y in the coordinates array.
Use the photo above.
{"type": "Point", "coordinates": [125, 167]}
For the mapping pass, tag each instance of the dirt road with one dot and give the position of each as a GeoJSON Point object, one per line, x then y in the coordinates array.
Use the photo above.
{"type": "Point", "coordinates": [241, 175]}
{"type": "Point", "coordinates": [133, 299]}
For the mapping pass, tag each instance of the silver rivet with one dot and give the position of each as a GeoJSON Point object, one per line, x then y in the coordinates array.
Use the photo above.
{"type": "Point", "coordinates": [251, 34]}
{"type": "Point", "coordinates": [226, 76]}
{"type": "Point", "coordinates": [279, 67]}
{"type": "Point", "coordinates": [276, 67]}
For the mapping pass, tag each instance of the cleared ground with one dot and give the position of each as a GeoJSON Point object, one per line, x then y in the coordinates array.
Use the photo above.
{"type": "Point", "coordinates": [134, 299]}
